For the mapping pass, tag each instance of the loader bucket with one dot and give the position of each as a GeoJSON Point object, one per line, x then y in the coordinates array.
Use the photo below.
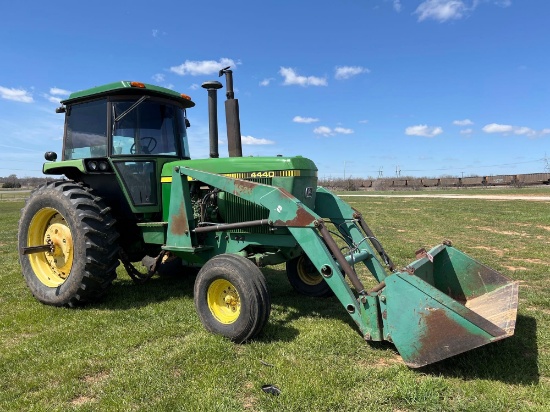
{"type": "Point", "coordinates": [444, 304]}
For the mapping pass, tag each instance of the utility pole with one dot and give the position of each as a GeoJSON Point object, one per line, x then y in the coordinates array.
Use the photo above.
{"type": "Point", "coordinates": [380, 173]}
{"type": "Point", "coordinates": [546, 164]}
{"type": "Point", "coordinates": [397, 171]}
{"type": "Point", "coordinates": [345, 163]}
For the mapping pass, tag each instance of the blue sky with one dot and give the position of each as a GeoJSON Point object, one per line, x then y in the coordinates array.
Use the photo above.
{"type": "Point", "coordinates": [424, 87]}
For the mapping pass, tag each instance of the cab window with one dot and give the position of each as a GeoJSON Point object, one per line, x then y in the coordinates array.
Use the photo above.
{"type": "Point", "coordinates": [86, 130]}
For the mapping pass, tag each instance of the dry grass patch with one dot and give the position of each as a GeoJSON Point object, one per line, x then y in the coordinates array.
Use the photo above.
{"type": "Point", "coordinates": [498, 252]}
{"type": "Point", "coordinates": [501, 232]}
{"type": "Point", "coordinates": [82, 400]}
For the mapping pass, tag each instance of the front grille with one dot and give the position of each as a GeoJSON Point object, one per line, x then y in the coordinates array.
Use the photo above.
{"type": "Point", "coordinates": [235, 209]}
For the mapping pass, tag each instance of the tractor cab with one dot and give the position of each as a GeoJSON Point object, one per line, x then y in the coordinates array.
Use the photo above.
{"type": "Point", "coordinates": [125, 126]}
{"type": "Point", "coordinates": [129, 129]}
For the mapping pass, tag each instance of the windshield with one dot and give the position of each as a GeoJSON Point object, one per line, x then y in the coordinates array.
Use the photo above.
{"type": "Point", "coordinates": [149, 127]}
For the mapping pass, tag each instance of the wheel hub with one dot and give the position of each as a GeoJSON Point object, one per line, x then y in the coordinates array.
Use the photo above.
{"type": "Point", "coordinates": [224, 301]}
{"type": "Point", "coordinates": [60, 260]}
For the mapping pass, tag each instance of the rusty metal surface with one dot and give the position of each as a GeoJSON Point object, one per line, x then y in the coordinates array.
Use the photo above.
{"type": "Point", "coordinates": [302, 219]}
{"type": "Point", "coordinates": [180, 225]}
{"type": "Point", "coordinates": [443, 337]}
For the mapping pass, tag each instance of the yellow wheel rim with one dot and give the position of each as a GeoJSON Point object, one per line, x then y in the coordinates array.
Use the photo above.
{"type": "Point", "coordinates": [48, 226]}
{"type": "Point", "coordinates": [307, 272]}
{"type": "Point", "coordinates": [224, 301]}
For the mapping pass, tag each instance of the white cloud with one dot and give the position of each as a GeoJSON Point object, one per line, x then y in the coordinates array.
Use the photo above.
{"type": "Point", "coordinates": [53, 99]}
{"type": "Point", "coordinates": [300, 119]}
{"type": "Point", "coordinates": [292, 78]}
{"type": "Point", "coordinates": [363, 121]}
{"type": "Point", "coordinates": [323, 130]}
{"type": "Point", "coordinates": [442, 10]}
{"type": "Point", "coordinates": [397, 5]}
{"type": "Point", "coordinates": [465, 122]}
{"type": "Point", "coordinates": [527, 131]}
{"type": "Point", "coordinates": [18, 95]}
{"type": "Point", "coordinates": [342, 130]}
{"type": "Point", "coordinates": [423, 130]}
{"type": "Point", "coordinates": [155, 32]}
{"type": "Point", "coordinates": [265, 82]}
{"type": "Point", "coordinates": [518, 130]}
{"type": "Point", "coordinates": [204, 67]}
{"type": "Point", "coordinates": [59, 92]}
{"type": "Point", "coordinates": [345, 72]}
{"type": "Point", "coordinates": [249, 140]}
{"type": "Point", "coordinates": [327, 131]}
{"type": "Point", "coordinates": [497, 128]}
{"type": "Point", "coordinates": [159, 77]}
{"type": "Point", "coordinates": [466, 131]}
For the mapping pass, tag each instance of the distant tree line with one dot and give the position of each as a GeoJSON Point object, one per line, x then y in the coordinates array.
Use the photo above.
{"type": "Point", "coordinates": [14, 182]}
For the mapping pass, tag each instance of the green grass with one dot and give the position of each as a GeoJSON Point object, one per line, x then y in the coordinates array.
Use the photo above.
{"type": "Point", "coordinates": [143, 347]}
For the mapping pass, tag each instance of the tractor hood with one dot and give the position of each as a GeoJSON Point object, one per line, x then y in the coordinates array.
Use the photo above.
{"type": "Point", "coordinates": [248, 167]}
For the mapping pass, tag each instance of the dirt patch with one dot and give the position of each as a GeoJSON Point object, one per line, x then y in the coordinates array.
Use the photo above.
{"type": "Point", "coordinates": [249, 400]}
{"type": "Point", "coordinates": [81, 400]}
{"type": "Point", "coordinates": [502, 232]}
{"type": "Point", "coordinates": [97, 378]}
{"type": "Point", "coordinates": [534, 261]}
{"type": "Point", "coordinates": [515, 268]}
{"type": "Point", "coordinates": [498, 252]}
{"type": "Point", "coordinates": [544, 227]}
{"type": "Point", "coordinates": [385, 362]}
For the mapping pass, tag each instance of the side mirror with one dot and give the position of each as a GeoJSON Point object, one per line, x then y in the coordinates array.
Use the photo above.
{"type": "Point", "coordinates": [51, 156]}
{"type": "Point", "coordinates": [187, 124]}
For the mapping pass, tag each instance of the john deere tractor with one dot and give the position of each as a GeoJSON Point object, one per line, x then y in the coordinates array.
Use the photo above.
{"type": "Point", "coordinates": [132, 192]}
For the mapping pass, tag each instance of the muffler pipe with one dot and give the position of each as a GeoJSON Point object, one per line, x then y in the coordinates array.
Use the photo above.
{"type": "Point", "coordinates": [212, 87]}
{"type": "Point", "coordinates": [232, 119]}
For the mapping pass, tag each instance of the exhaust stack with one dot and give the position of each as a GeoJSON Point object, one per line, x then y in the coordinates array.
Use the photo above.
{"type": "Point", "coordinates": [212, 87]}
{"type": "Point", "coordinates": [233, 123]}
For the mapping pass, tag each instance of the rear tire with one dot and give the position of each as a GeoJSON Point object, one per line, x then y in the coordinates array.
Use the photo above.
{"type": "Point", "coordinates": [231, 297]}
{"type": "Point", "coordinates": [83, 264]}
{"type": "Point", "coordinates": [306, 279]}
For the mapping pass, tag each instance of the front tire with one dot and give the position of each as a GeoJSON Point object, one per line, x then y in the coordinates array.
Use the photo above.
{"type": "Point", "coordinates": [231, 298]}
{"type": "Point", "coordinates": [84, 259]}
{"type": "Point", "coordinates": [306, 279]}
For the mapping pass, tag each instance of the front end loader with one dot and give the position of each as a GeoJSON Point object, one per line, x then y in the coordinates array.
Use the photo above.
{"type": "Point", "coordinates": [133, 193]}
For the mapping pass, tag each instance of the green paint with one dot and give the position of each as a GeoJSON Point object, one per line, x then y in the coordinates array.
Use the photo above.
{"type": "Point", "coordinates": [125, 87]}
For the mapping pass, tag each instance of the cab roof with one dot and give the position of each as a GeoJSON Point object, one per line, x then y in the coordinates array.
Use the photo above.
{"type": "Point", "coordinates": [129, 87]}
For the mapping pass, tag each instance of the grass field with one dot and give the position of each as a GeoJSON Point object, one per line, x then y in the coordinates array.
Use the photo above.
{"type": "Point", "coordinates": [143, 347]}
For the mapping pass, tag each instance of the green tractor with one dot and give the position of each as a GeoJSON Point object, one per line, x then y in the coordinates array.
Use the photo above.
{"type": "Point", "coordinates": [133, 193]}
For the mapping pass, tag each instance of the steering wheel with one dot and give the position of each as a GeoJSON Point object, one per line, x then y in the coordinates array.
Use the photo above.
{"type": "Point", "coordinates": [148, 148]}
